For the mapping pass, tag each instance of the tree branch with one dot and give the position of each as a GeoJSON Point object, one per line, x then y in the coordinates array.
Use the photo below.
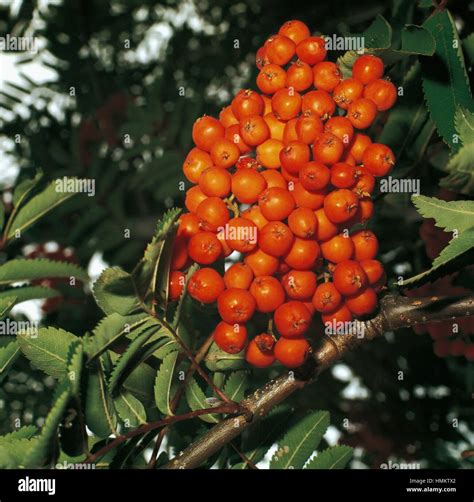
{"type": "Point", "coordinates": [395, 312]}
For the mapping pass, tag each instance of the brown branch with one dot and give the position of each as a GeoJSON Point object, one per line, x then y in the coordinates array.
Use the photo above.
{"type": "Point", "coordinates": [395, 312]}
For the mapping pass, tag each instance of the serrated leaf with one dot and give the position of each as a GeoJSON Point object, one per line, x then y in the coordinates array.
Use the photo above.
{"type": "Point", "coordinates": [130, 410]}
{"type": "Point", "coordinates": [13, 451]}
{"type": "Point", "coordinates": [25, 293]}
{"type": "Point", "coordinates": [236, 385]}
{"type": "Point", "coordinates": [445, 82]}
{"type": "Point", "coordinates": [456, 254]}
{"type": "Point", "coordinates": [461, 171]}
{"type": "Point", "coordinates": [164, 387]}
{"type": "Point", "coordinates": [36, 208]}
{"type": "Point", "coordinates": [196, 400]}
{"type": "Point", "coordinates": [336, 457]}
{"type": "Point", "coordinates": [101, 417]}
{"type": "Point", "coordinates": [133, 355]}
{"type": "Point", "coordinates": [39, 268]}
{"type": "Point", "coordinates": [183, 297]}
{"type": "Point", "coordinates": [114, 291]}
{"type": "Point", "coordinates": [47, 349]}
{"type": "Point", "coordinates": [451, 216]}
{"type": "Point", "coordinates": [464, 123]}
{"type": "Point", "coordinates": [111, 329]}
{"type": "Point", "coordinates": [8, 355]}
{"type": "Point", "coordinates": [379, 34]}
{"type": "Point", "coordinates": [46, 448]}
{"type": "Point", "coordinates": [417, 40]}
{"type": "Point", "coordinates": [218, 360]}
{"type": "Point", "coordinates": [300, 441]}
{"type": "Point", "coordinates": [6, 304]}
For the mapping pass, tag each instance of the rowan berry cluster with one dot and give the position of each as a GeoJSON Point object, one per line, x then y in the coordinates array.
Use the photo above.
{"type": "Point", "coordinates": [281, 177]}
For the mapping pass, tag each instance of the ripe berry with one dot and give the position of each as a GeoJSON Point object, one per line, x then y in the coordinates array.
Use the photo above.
{"type": "Point", "coordinates": [343, 175]}
{"type": "Point", "coordinates": [299, 284]}
{"type": "Point", "coordinates": [358, 146]}
{"type": "Point", "coordinates": [239, 275]}
{"type": "Point", "coordinates": [311, 50]}
{"type": "Point", "coordinates": [276, 238]}
{"type": "Point", "coordinates": [294, 155]}
{"type": "Point", "coordinates": [289, 134]}
{"type": "Point", "coordinates": [232, 133]}
{"type": "Point", "coordinates": [260, 351]}
{"type": "Point", "coordinates": [382, 92]}
{"type": "Point", "coordinates": [194, 197]}
{"type": "Point", "coordinates": [254, 130]}
{"type": "Point", "coordinates": [304, 198]}
{"type": "Point", "coordinates": [326, 76]}
{"type": "Point", "coordinates": [328, 148]}
{"type": "Point", "coordinates": [363, 303]}
{"type": "Point", "coordinates": [276, 203]}
{"type": "Point", "coordinates": [236, 305]}
{"type": "Point", "coordinates": [362, 113]}
{"type": "Point", "coordinates": [340, 205]}
{"type": "Point", "coordinates": [295, 30]}
{"type": "Point", "coordinates": [308, 126]}
{"type": "Point", "coordinates": [292, 319]}
{"type": "Point", "coordinates": [212, 213]}
{"type": "Point", "coordinates": [254, 214]}
{"type": "Point", "coordinates": [261, 58]}
{"type": "Point", "coordinates": [279, 49]}
{"type": "Point", "coordinates": [206, 131]}
{"type": "Point", "coordinates": [375, 274]}
{"type": "Point", "coordinates": [303, 254]}
{"type": "Point", "coordinates": [347, 91]}
{"type": "Point", "coordinates": [188, 225]}
{"type": "Point", "coordinates": [303, 222]}
{"type": "Point", "coordinates": [230, 338]}
{"type": "Point", "coordinates": [224, 153]}
{"type": "Point", "coordinates": [365, 184]}
{"type": "Point", "coordinates": [204, 248]}
{"type": "Point", "coordinates": [176, 285]}
{"type": "Point", "coordinates": [268, 293]}
{"type": "Point", "coordinates": [215, 182]}
{"type": "Point", "coordinates": [314, 176]}
{"type": "Point", "coordinates": [274, 179]}
{"type": "Point", "coordinates": [195, 163]}
{"type": "Point", "coordinates": [268, 153]}
{"type": "Point", "coordinates": [247, 185]}
{"type": "Point", "coordinates": [276, 126]}
{"type": "Point", "coordinates": [340, 127]}
{"type": "Point", "coordinates": [261, 263]}
{"type": "Point", "coordinates": [349, 277]}
{"type": "Point", "coordinates": [271, 78]}
{"type": "Point", "coordinates": [367, 68]}
{"type": "Point", "coordinates": [227, 117]}
{"type": "Point", "coordinates": [320, 103]}
{"type": "Point", "coordinates": [378, 159]}
{"type": "Point", "coordinates": [341, 315]}
{"type": "Point", "coordinates": [326, 228]}
{"type": "Point", "coordinates": [241, 235]}
{"type": "Point", "coordinates": [179, 256]}
{"type": "Point", "coordinates": [366, 245]}
{"type": "Point", "coordinates": [299, 76]}
{"type": "Point", "coordinates": [326, 298]}
{"type": "Point", "coordinates": [286, 103]}
{"type": "Point", "coordinates": [292, 353]}
{"type": "Point", "coordinates": [247, 103]}
{"type": "Point", "coordinates": [205, 285]}
{"type": "Point", "coordinates": [337, 249]}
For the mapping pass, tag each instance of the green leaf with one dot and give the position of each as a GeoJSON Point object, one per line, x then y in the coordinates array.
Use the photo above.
{"type": "Point", "coordinates": [25, 432]}
{"type": "Point", "coordinates": [236, 385]}
{"type": "Point", "coordinates": [40, 268]}
{"type": "Point", "coordinates": [451, 216]}
{"type": "Point", "coordinates": [461, 171]}
{"type": "Point", "coordinates": [2, 215]}
{"type": "Point", "coordinates": [331, 458]}
{"type": "Point", "coordinates": [36, 208]}
{"type": "Point", "coordinates": [300, 441]}
{"type": "Point", "coordinates": [46, 449]}
{"type": "Point", "coordinates": [152, 272]}
{"type": "Point", "coordinates": [8, 355]}
{"type": "Point", "coordinates": [6, 304]}
{"type": "Point", "coordinates": [130, 410]}
{"type": "Point", "coordinates": [456, 254]}
{"type": "Point", "coordinates": [13, 451]}
{"type": "Point", "coordinates": [417, 40]}
{"type": "Point", "coordinates": [25, 188]}
{"type": "Point", "coordinates": [184, 296]}
{"type": "Point", "coordinates": [218, 360]}
{"type": "Point", "coordinates": [379, 34]}
{"type": "Point", "coordinates": [111, 329]}
{"type": "Point", "coordinates": [196, 400]}
{"type": "Point", "coordinates": [47, 349]}
{"type": "Point", "coordinates": [464, 122]}
{"type": "Point", "coordinates": [445, 81]}
{"type": "Point", "coordinates": [25, 293]}
{"type": "Point", "coordinates": [101, 417]}
{"type": "Point", "coordinates": [133, 355]}
{"type": "Point", "coordinates": [114, 291]}
{"type": "Point", "coordinates": [164, 383]}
